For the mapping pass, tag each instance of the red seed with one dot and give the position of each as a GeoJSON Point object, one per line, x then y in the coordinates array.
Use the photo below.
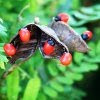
{"type": "Point", "coordinates": [66, 58]}
{"type": "Point", "coordinates": [89, 34]}
{"type": "Point", "coordinates": [9, 49]}
{"type": "Point", "coordinates": [48, 49]}
{"type": "Point", "coordinates": [24, 35]}
{"type": "Point", "coordinates": [64, 17]}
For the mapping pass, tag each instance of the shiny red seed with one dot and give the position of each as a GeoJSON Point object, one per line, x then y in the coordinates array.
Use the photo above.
{"type": "Point", "coordinates": [64, 17]}
{"type": "Point", "coordinates": [24, 35]}
{"type": "Point", "coordinates": [48, 49]}
{"type": "Point", "coordinates": [9, 49]}
{"type": "Point", "coordinates": [66, 58]}
{"type": "Point", "coordinates": [89, 34]}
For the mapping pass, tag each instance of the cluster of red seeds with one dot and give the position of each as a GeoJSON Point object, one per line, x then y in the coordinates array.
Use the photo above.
{"type": "Point", "coordinates": [24, 34]}
{"type": "Point", "coordinates": [48, 49]}
{"type": "Point", "coordinates": [49, 46]}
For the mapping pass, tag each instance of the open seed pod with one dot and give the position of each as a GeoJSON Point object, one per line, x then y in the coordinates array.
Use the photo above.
{"type": "Point", "coordinates": [69, 37]}
{"type": "Point", "coordinates": [39, 34]}
{"type": "Point", "coordinates": [25, 50]}
{"type": "Point", "coordinates": [48, 33]}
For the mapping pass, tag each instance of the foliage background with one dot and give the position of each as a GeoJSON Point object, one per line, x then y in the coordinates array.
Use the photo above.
{"type": "Point", "coordinates": [42, 79]}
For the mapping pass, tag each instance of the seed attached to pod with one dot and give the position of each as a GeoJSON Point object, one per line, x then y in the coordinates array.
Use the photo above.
{"type": "Point", "coordinates": [62, 17]}
{"type": "Point", "coordinates": [24, 35]}
{"type": "Point", "coordinates": [9, 49]}
{"type": "Point", "coordinates": [66, 58]}
{"type": "Point", "coordinates": [87, 35]}
{"type": "Point", "coordinates": [48, 47]}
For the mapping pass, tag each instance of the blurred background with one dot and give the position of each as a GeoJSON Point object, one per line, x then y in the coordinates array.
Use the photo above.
{"type": "Point", "coordinates": [42, 79]}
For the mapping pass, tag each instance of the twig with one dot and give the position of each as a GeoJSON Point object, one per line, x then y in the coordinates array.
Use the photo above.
{"type": "Point", "coordinates": [23, 9]}
{"type": "Point", "coordinates": [6, 73]}
{"type": "Point", "coordinates": [10, 70]}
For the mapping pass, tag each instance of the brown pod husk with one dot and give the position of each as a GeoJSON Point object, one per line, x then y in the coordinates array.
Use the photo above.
{"type": "Point", "coordinates": [69, 37]}
{"type": "Point", "coordinates": [48, 33]}
{"type": "Point", "coordinates": [39, 35]}
{"type": "Point", "coordinates": [25, 50]}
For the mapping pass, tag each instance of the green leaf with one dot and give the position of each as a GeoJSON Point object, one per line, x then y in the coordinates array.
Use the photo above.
{"type": "Point", "coordinates": [62, 68]}
{"type": "Point", "coordinates": [85, 67]}
{"type": "Point", "coordinates": [88, 10]}
{"type": "Point", "coordinates": [33, 6]}
{"type": "Point", "coordinates": [2, 66]}
{"type": "Point", "coordinates": [3, 30]}
{"type": "Point", "coordinates": [98, 48]}
{"type": "Point", "coordinates": [3, 58]}
{"type": "Point", "coordinates": [57, 86]}
{"type": "Point", "coordinates": [95, 59]}
{"type": "Point", "coordinates": [78, 57]}
{"type": "Point", "coordinates": [65, 80]}
{"type": "Point", "coordinates": [94, 67]}
{"type": "Point", "coordinates": [73, 75]}
{"type": "Point", "coordinates": [80, 30]}
{"type": "Point", "coordinates": [78, 76]}
{"type": "Point", "coordinates": [13, 85]}
{"type": "Point", "coordinates": [1, 20]}
{"type": "Point", "coordinates": [41, 96]}
{"type": "Point", "coordinates": [1, 44]}
{"type": "Point", "coordinates": [97, 7]}
{"type": "Point", "coordinates": [76, 4]}
{"type": "Point", "coordinates": [53, 69]}
{"type": "Point", "coordinates": [77, 23]}
{"type": "Point", "coordinates": [32, 89]}
{"type": "Point", "coordinates": [50, 92]}
{"type": "Point", "coordinates": [80, 15]}
{"type": "Point", "coordinates": [92, 52]}
{"type": "Point", "coordinates": [1, 49]}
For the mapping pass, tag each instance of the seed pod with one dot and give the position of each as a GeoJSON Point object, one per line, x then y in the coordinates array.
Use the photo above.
{"type": "Point", "coordinates": [48, 33]}
{"type": "Point", "coordinates": [64, 37]}
{"type": "Point", "coordinates": [25, 50]}
{"type": "Point", "coordinates": [69, 37]}
{"type": "Point", "coordinates": [38, 35]}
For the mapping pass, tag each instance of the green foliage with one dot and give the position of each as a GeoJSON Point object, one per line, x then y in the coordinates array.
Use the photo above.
{"type": "Point", "coordinates": [39, 78]}
{"type": "Point", "coordinates": [32, 89]}
{"type": "Point", "coordinates": [13, 85]}
{"type": "Point", "coordinates": [3, 36]}
{"type": "Point", "coordinates": [50, 92]}
{"type": "Point", "coordinates": [85, 15]}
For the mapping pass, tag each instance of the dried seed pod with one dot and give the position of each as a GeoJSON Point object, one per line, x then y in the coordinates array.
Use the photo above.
{"type": "Point", "coordinates": [25, 50]}
{"type": "Point", "coordinates": [48, 33]}
{"type": "Point", "coordinates": [69, 37]}
{"type": "Point", "coordinates": [39, 34]}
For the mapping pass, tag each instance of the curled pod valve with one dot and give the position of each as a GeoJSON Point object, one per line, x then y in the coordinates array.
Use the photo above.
{"type": "Point", "coordinates": [48, 47]}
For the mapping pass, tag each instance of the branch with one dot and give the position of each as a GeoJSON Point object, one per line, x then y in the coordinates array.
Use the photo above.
{"type": "Point", "coordinates": [10, 70]}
